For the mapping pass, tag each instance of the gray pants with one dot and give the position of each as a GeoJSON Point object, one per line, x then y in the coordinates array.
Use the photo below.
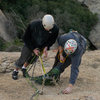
{"type": "Point", "coordinates": [26, 56]}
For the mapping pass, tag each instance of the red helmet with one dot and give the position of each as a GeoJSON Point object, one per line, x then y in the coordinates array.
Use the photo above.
{"type": "Point", "coordinates": [70, 46]}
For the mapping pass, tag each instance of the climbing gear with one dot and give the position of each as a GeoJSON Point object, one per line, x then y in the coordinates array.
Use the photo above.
{"type": "Point", "coordinates": [53, 74]}
{"type": "Point", "coordinates": [15, 75]}
{"type": "Point", "coordinates": [42, 64]}
{"type": "Point", "coordinates": [48, 22]}
{"type": "Point", "coordinates": [70, 46]}
{"type": "Point", "coordinates": [29, 78]}
{"type": "Point", "coordinates": [63, 54]}
{"type": "Point", "coordinates": [35, 94]}
{"type": "Point", "coordinates": [61, 60]}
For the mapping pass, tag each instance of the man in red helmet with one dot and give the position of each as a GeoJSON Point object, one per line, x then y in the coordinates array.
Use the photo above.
{"type": "Point", "coordinates": [71, 49]}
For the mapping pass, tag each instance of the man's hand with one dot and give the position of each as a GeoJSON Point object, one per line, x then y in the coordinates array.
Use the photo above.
{"type": "Point", "coordinates": [62, 59]}
{"type": "Point", "coordinates": [60, 54]}
{"type": "Point", "coordinates": [45, 51]}
{"type": "Point", "coordinates": [68, 89]}
{"type": "Point", "coordinates": [36, 51]}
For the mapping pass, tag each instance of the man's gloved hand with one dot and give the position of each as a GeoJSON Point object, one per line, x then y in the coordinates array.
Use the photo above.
{"type": "Point", "coordinates": [36, 51]}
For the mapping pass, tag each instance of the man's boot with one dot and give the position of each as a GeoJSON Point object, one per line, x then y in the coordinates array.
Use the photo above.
{"type": "Point", "coordinates": [15, 75]}
{"type": "Point", "coordinates": [25, 73]}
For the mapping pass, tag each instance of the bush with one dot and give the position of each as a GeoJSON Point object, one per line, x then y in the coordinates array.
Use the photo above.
{"type": "Point", "coordinates": [69, 14]}
{"type": "Point", "coordinates": [2, 44]}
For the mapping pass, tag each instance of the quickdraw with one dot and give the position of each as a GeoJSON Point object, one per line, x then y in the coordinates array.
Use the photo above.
{"type": "Point", "coordinates": [64, 58]}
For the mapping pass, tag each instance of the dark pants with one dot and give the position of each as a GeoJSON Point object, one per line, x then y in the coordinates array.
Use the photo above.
{"type": "Point", "coordinates": [26, 56]}
{"type": "Point", "coordinates": [61, 66]}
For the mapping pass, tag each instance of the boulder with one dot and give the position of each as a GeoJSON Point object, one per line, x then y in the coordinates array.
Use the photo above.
{"type": "Point", "coordinates": [94, 6]}
{"type": "Point", "coordinates": [6, 64]}
{"type": "Point", "coordinates": [95, 36]}
{"type": "Point", "coordinates": [3, 28]}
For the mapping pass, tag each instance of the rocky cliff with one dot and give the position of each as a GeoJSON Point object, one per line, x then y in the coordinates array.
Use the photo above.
{"type": "Point", "coordinates": [94, 6]}
{"type": "Point", "coordinates": [3, 29]}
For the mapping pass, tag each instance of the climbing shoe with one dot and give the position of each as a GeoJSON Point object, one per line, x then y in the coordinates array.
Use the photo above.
{"type": "Point", "coordinates": [25, 73]}
{"type": "Point", "coordinates": [15, 75]}
{"type": "Point", "coordinates": [48, 78]}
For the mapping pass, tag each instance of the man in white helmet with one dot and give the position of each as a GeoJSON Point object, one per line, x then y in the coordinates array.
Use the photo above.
{"type": "Point", "coordinates": [40, 35]}
{"type": "Point", "coordinates": [71, 48]}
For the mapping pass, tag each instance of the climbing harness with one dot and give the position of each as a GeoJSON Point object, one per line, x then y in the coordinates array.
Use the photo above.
{"type": "Point", "coordinates": [64, 58]}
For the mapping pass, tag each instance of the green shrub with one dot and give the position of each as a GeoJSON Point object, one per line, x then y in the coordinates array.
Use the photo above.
{"type": "Point", "coordinates": [69, 14]}
{"type": "Point", "coordinates": [2, 44]}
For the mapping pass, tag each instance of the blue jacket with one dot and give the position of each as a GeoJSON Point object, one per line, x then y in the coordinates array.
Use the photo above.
{"type": "Point", "coordinates": [77, 55]}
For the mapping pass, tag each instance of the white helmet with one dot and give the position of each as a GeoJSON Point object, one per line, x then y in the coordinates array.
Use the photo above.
{"type": "Point", "coordinates": [70, 46]}
{"type": "Point", "coordinates": [48, 22]}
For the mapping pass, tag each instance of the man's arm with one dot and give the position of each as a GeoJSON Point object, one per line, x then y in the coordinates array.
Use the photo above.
{"type": "Point", "coordinates": [61, 58]}
{"type": "Point", "coordinates": [76, 60]}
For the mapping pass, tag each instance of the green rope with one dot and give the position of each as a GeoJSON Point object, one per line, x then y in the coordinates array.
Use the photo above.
{"type": "Point", "coordinates": [36, 94]}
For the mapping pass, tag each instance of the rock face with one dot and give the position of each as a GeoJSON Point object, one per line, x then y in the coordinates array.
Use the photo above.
{"type": "Point", "coordinates": [7, 61]}
{"type": "Point", "coordinates": [95, 33]}
{"type": "Point", "coordinates": [87, 86]}
{"type": "Point", "coordinates": [94, 6]}
{"type": "Point", "coordinates": [3, 29]}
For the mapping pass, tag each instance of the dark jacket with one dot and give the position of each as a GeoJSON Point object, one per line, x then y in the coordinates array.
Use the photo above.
{"type": "Point", "coordinates": [37, 37]}
{"type": "Point", "coordinates": [77, 55]}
